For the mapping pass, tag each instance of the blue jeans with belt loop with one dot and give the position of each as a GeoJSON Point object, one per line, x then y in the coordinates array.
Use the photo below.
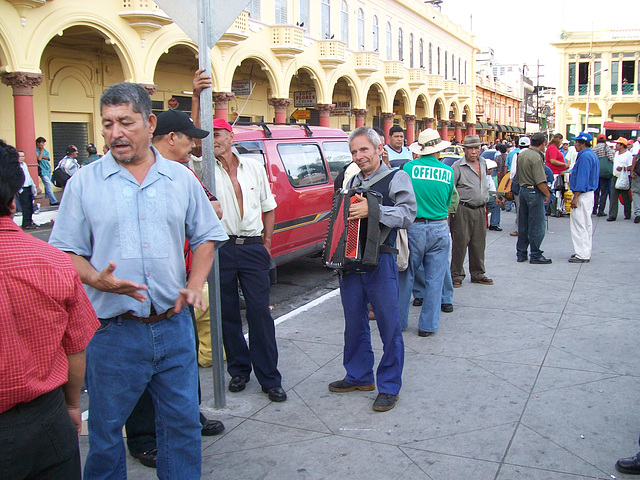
{"type": "Point", "coordinates": [531, 222]}
{"type": "Point", "coordinates": [428, 246]}
{"type": "Point", "coordinates": [123, 358]}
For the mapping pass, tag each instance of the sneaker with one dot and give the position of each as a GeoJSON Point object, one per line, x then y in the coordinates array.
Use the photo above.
{"type": "Point", "coordinates": [495, 228]}
{"type": "Point", "coordinates": [385, 402]}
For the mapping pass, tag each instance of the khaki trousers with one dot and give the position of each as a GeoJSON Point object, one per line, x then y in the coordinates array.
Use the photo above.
{"type": "Point", "coordinates": [468, 232]}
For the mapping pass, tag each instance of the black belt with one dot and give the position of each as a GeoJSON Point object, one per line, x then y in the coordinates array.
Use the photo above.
{"type": "Point", "coordinates": [151, 318]}
{"type": "Point", "coordinates": [473, 207]}
{"type": "Point", "coordinates": [244, 240]}
{"type": "Point", "coordinates": [426, 220]}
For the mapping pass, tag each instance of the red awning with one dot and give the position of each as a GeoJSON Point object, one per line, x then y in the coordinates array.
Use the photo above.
{"type": "Point", "coordinates": [622, 126]}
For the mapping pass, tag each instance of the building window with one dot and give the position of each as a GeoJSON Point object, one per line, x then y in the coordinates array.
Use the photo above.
{"type": "Point", "coordinates": [411, 50]}
{"type": "Point", "coordinates": [325, 13]}
{"type": "Point", "coordinates": [400, 45]}
{"type": "Point", "coordinates": [614, 77]}
{"type": "Point", "coordinates": [597, 77]}
{"type": "Point", "coordinates": [254, 9]}
{"type": "Point", "coordinates": [281, 12]}
{"type": "Point", "coordinates": [583, 77]}
{"type": "Point", "coordinates": [465, 73]}
{"type": "Point", "coordinates": [360, 29]}
{"type": "Point", "coordinates": [304, 15]}
{"type": "Point", "coordinates": [376, 34]}
{"type": "Point", "coordinates": [572, 78]}
{"type": "Point", "coordinates": [389, 40]}
{"type": "Point", "coordinates": [421, 53]}
{"type": "Point", "coordinates": [628, 76]}
{"type": "Point", "coordinates": [453, 67]}
{"type": "Point", "coordinates": [430, 58]}
{"type": "Point", "coordinates": [438, 60]}
{"type": "Point", "coordinates": [459, 71]}
{"type": "Point", "coordinates": [344, 23]}
{"type": "Point", "coordinates": [446, 65]}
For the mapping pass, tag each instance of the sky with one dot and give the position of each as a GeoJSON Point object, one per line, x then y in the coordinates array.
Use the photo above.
{"type": "Point", "coordinates": [520, 32]}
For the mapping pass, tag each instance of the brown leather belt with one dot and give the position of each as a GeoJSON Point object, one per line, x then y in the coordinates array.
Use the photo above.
{"type": "Point", "coordinates": [151, 318]}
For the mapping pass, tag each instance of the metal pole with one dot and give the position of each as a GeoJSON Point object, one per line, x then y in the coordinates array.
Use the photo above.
{"type": "Point", "coordinates": [208, 178]}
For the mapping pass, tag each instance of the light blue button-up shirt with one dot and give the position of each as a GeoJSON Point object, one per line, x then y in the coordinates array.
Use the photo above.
{"type": "Point", "coordinates": [106, 215]}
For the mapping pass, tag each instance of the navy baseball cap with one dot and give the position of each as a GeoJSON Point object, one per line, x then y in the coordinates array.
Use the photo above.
{"type": "Point", "coordinates": [584, 136]}
{"type": "Point", "coordinates": [177, 121]}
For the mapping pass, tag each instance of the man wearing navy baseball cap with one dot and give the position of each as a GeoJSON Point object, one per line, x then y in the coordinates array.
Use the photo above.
{"type": "Point", "coordinates": [582, 182]}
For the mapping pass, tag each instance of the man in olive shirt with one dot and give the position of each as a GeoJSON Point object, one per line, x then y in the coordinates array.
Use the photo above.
{"type": "Point", "coordinates": [469, 225]}
{"type": "Point", "coordinates": [534, 193]}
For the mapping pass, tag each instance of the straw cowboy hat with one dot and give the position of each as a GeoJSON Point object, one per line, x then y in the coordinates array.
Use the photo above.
{"type": "Point", "coordinates": [428, 142]}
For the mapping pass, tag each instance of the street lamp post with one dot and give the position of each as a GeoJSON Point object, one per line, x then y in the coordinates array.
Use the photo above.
{"type": "Point", "coordinates": [589, 86]}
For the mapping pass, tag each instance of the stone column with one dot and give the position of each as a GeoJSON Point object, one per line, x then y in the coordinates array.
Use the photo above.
{"type": "Point", "coordinates": [443, 129]}
{"type": "Point", "coordinates": [410, 127]}
{"type": "Point", "coordinates": [325, 113]}
{"type": "Point", "coordinates": [221, 100]}
{"type": "Point", "coordinates": [428, 122]}
{"type": "Point", "coordinates": [471, 129]}
{"type": "Point", "coordinates": [280, 105]}
{"type": "Point", "coordinates": [458, 131]}
{"type": "Point", "coordinates": [359, 113]}
{"type": "Point", "coordinates": [22, 84]}
{"type": "Point", "coordinates": [150, 88]}
{"type": "Point", "coordinates": [387, 121]}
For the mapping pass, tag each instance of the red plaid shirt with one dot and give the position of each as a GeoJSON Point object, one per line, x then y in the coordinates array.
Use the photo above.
{"type": "Point", "coordinates": [44, 316]}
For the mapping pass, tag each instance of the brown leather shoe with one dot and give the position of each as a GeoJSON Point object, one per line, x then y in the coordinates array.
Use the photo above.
{"type": "Point", "coordinates": [482, 281]}
{"type": "Point", "coordinates": [342, 386]}
{"type": "Point", "coordinates": [457, 283]}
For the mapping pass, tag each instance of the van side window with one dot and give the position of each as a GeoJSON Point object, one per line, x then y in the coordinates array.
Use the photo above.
{"type": "Point", "coordinates": [338, 155]}
{"type": "Point", "coordinates": [303, 164]}
{"type": "Point", "coordinates": [253, 150]}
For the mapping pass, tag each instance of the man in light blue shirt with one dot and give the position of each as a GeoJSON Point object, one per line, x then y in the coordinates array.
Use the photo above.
{"type": "Point", "coordinates": [131, 211]}
{"type": "Point", "coordinates": [397, 152]}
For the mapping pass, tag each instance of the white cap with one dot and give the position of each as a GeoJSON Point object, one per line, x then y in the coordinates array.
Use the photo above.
{"type": "Point", "coordinates": [524, 142]}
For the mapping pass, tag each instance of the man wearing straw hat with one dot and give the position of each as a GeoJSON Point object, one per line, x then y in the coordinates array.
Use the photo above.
{"type": "Point", "coordinates": [429, 234]}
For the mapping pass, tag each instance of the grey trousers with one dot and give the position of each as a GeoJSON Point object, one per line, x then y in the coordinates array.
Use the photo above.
{"type": "Point", "coordinates": [468, 232]}
{"type": "Point", "coordinates": [635, 190]}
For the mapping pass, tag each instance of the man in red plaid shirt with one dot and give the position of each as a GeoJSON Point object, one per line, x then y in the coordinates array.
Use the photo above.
{"type": "Point", "coordinates": [46, 321]}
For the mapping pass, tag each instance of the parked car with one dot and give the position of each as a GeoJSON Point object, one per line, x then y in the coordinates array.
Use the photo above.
{"type": "Point", "coordinates": [454, 149]}
{"type": "Point", "coordinates": [301, 162]}
{"type": "Point", "coordinates": [449, 159]}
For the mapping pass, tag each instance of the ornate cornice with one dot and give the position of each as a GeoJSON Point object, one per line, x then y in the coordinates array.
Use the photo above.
{"type": "Point", "coordinates": [359, 112]}
{"type": "Point", "coordinates": [410, 119]}
{"type": "Point", "coordinates": [222, 98]}
{"type": "Point", "coordinates": [280, 104]}
{"type": "Point", "coordinates": [387, 116]}
{"type": "Point", "coordinates": [325, 108]}
{"type": "Point", "coordinates": [150, 88]}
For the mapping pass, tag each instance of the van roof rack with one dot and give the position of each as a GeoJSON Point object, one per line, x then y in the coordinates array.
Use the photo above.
{"type": "Point", "coordinates": [267, 131]}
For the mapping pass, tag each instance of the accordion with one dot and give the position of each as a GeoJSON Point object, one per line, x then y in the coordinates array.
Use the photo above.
{"type": "Point", "coordinates": [353, 245]}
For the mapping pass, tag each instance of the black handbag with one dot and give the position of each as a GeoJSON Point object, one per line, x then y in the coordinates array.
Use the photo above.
{"type": "Point", "coordinates": [60, 177]}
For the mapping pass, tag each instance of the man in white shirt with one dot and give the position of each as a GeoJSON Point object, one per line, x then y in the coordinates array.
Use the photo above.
{"type": "Point", "coordinates": [621, 167]}
{"type": "Point", "coordinates": [248, 205]}
{"type": "Point", "coordinates": [25, 196]}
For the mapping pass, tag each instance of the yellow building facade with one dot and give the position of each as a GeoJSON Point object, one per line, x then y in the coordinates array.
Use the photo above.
{"type": "Point", "coordinates": [341, 63]}
{"type": "Point", "coordinates": [599, 84]}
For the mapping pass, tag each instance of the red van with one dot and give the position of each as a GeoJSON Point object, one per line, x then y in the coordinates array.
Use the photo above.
{"type": "Point", "coordinates": [301, 162]}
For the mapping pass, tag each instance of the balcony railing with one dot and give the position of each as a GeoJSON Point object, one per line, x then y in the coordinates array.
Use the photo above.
{"type": "Point", "coordinates": [331, 53]}
{"type": "Point", "coordinates": [614, 89]}
{"type": "Point", "coordinates": [627, 88]}
{"type": "Point", "coordinates": [450, 87]}
{"type": "Point", "coordinates": [435, 83]}
{"type": "Point", "coordinates": [596, 89]}
{"type": "Point", "coordinates": [572, 89]}
{"type": "Point", "coordinates": [582, 89]}
{"type": "Point", "coordinates": [286, 41]}
{"type": "Point", "coordinates": [366, 62]}
{"type": "Point", "coordinates": [417, 77]}
{"type": "Point", "coordinates": [393, 70]}
{"type": "Point", "coordinates": [464, 90]}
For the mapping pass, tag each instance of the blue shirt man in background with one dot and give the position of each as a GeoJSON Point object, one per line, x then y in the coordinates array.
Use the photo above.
{"type": "Point", "coordinates": [133, 209]}
{"type": "Point", "coordinates": [397, 152]}
{"type": "Point", "coordinates": [583, 181]}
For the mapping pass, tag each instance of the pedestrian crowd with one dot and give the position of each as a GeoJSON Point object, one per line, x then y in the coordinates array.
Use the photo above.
{"type": "Point", "coordinates": [139, 230]}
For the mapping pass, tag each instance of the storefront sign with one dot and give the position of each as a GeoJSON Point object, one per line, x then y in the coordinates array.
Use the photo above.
{"type": "Point", "coordinates": [341, 109]}
{"type": "Point", "coordinates": [304, 99]}
{"type": "Point", "coordinates": [241, 87]}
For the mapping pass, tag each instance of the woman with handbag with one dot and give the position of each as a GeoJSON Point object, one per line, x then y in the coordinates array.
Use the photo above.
{"type": "Point", "coordinates": [620, 185]}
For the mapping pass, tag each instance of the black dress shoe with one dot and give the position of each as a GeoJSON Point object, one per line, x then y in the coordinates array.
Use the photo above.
{"type": "Point", "coordinates": [611, 219]}
{"type": "Point", "coordinates": [446, 308]}
{"type": "Point", "coordinates": [276, 394]}
{"type": "Point", "coordinates": [212, 427]}
{"type": "Point", "coordinates": [148, 458]}
{"type": "Point", "coordinates": [417, 302]}
{"type": "Point", "coordinates": [601, 214]}
{"type": "Point", "coordinates": [342, 386]}
{"type": "Point", "coordinates": [522, 259]}
{"type": "Point", "coordinates": [630, 466]}
{"type": "Point", "coordinates": [574, 259]}
{"type": "Point", "coordinates": [385, 402]}
{"type": "Point", "coordinates": [540, 261]}
{"type": "Point", "coordinates": [495, 228]}
{"type": "Point", "coordinates": [238, 383]}
{"type": "Point", "coordinates": [422, 333]}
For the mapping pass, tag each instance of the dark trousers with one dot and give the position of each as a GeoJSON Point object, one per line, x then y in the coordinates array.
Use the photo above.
{"type": "Point", "coordinates": [601, 194]}
{"type": "Point", "coordinates": [613, 204]}
{"type": "Point", "coordinates": [38, 440]}
{"type": "Point", "coordinates": [249, 265]}
{"type": "Point", "coordinates": [141, 424]}
{"type": "Point", "coordinates": [530, 222]}
{"type": "Point", "coordinates": [26, 204]}
{"type": "Point", "coordinates": [468, 231]}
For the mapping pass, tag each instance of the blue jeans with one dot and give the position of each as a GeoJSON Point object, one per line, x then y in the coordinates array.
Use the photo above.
{"type": "Point", "coordinates": [531, 222]}
{"type": "Point", "coordinates": [429, 247]}
{"type": "Point", "coordinates": [419, 286]}
{"type": "Point", "coordinates": [601, 194]}
{"type": "Point", "coordinates": [380, 288]}
{"type": "Point", "coordinates": [48, 189]}
{"type": "Point", "coordinates": [494, 209]}
{"type": "Point", "coordinates": [123, 358]}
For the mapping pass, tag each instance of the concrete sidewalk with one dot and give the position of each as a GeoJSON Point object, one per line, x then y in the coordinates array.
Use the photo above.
{"type": "Point", "coordinates": [535, 377]}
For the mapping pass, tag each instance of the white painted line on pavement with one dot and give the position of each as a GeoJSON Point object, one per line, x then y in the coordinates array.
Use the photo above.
{"type": "Point", "coordinates": [308, 306]}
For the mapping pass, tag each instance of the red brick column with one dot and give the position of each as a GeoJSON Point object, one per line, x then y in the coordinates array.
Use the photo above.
{"type": "Point", "coordinates": [325, 113]}
{"type": "Point", "coordinates": [221, 100]}
{"type": "Point", "coordinates": [359, 113]}
{"type": "Point", "coordinates": [22, 84]}
{"type": "Point", "coordinates": [387, 121]}
{"type": "Point", "coordinates": [458, 131]}
{"type": "Point", "coordinates": [428, 122]}
{"type": "Point", "coordinates": [410, 127]}
{"type": "Point", "coordinates": [443, 130]}
{"type": "Point", "coordinates": [280, 105]}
